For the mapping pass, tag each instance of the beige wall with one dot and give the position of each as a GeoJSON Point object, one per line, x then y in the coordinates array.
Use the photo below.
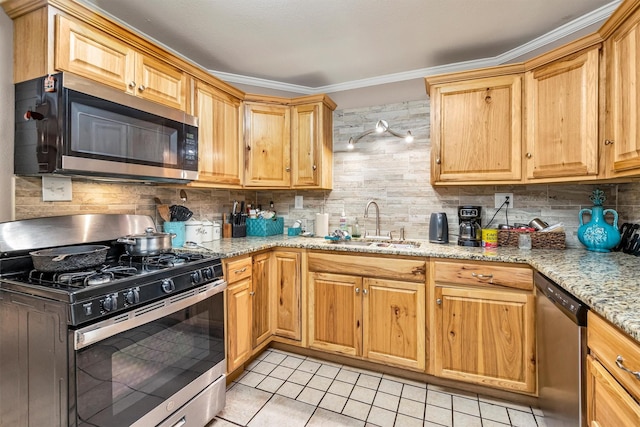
{"type": "Point", "coordinates": [6, 117]}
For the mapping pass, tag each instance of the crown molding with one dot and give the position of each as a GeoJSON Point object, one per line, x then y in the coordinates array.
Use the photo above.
{"type": "Point", "coordinates": [594, 17]}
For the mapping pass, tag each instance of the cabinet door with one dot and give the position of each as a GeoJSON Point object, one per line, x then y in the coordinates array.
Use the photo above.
{"type": "Point", "coordinates": [562, 118]}
{"type": "Point", "coordinates": [219, 145]}
{"type": "Point", "coordinates": [608, 404]}
{"type": "Point", "coordinates": [160, 82]}
{"type": "Point", "coordinates": [394, 322]}
{"type": "Point", "coordinates": [335, 313]}
{"type": "Point", "coordinates": [623, 109]}
{"type": "Point", "coordinates": [260, 298]}
{"type": "Point", "coordinates": [267, 141]}
{"type": "Point", "coordinates": [91, 53]}
{"type": "Point", "coordinates": [238, 323]}
{"type": "Point", "coordinates": [486, 337]}
{"type": "Point", "coordinates": [476, 130]}
{"type": "Point", "coordinates": [287, 295]}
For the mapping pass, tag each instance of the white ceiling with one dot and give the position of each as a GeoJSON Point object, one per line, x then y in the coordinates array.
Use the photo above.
{"type": "Point", "coordinates": [311, 46]}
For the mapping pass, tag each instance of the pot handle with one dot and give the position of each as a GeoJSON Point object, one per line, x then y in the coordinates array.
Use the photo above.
{"type": "Point", "coordinates": [126, 241]}
{"type": "Point", "coordinates": [173, 235]}
{"type": "Point", "coordinates": [582, 211]}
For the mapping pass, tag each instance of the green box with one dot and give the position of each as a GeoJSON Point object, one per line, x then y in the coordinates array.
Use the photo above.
{"type": "Point", "coordinates": [265, 227]}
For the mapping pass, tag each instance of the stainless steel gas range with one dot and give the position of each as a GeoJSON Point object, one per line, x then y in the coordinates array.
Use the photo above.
{"type": "Point", "coordinates": [133, 341]}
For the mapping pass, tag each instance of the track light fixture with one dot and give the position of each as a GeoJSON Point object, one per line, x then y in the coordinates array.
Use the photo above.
{"type": "Point", "coordinates": [381, 127]}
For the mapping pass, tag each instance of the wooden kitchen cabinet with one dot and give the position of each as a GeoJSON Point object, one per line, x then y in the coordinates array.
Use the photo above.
{"type": "Point", "coordinates": [482, 328]}
{"type": "Point", "coordinates": [220, 152]}
{"type": "Point", "coordinates": [368, 307]}
{"type": "Point", "coordinates": [312, 143]}
{"type": "Point", "coordinates": [613, 391]}
{"type": "Point", "coordinates": [87, 51]}
{"type": "Point", "coordinates": [622, 129]}
{"type": "Point", "coordinates": [561, 119]}
{"type": "Point", "coordinates": [261, 299]}
{"type": "Point", "coordinates": [239, 317]}
{"type": "Point", "coordinates": [267, 145]}
{"type": "Point", "coordinates": [286, 311]}
{"type": "Point", "coordinates": [476, 128]}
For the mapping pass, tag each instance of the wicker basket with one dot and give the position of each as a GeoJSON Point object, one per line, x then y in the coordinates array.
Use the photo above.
{"type": "Point", "coordinates": [538, 240]}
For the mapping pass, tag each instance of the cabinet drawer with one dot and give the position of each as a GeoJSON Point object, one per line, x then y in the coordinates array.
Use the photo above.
{"type": "Point", "coordinates": [410, 270]}
{"type": "Point", "coordinates": [238, 269]}
{"type": "Point", "coordinates": [483, 273]}
{"type": "Point", "coordinates": [607, 343]}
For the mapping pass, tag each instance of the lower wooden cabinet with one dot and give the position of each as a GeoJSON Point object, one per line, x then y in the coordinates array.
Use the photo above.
{"type": "Point", "coordinates": [238, 323]}
{"type": "Point", "coordinates": [377, 318]}
{"type": "Point", "coordinates": [286, 309]}
{"type": "Point", "coordinates": [613, 387]}
{"type": "Point", "coordinates": [261, 299]}
{"type": "Point", "coordinates": [483, 333]}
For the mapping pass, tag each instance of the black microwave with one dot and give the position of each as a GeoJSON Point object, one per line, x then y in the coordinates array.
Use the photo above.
{"type": "Point", "coordinates": [69, 125]}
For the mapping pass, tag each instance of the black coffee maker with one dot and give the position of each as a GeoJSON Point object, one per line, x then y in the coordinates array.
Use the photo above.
{"type": "Point", "coordinates": [470, 230]}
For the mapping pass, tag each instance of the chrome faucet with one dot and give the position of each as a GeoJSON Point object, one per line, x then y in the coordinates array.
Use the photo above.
{"type": "Point", "coordinates": [366, 215]}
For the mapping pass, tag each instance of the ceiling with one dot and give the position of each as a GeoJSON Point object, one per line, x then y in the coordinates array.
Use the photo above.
{"type": "Point", "coordinates": [307, 46]}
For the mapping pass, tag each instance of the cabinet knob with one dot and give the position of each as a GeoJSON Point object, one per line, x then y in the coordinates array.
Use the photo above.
{"type": "Point", "coordinates": [529, 155]}
{"type": "Point", "coordinates": [288, 169]}
{"type": "Point", "coordinates": [439, 301]}
{"type": "Point", "coordinates": [132, 84]}
{"type": "Point", "coordinates": [252, 293]}
{"type": "Point", "coordinates": [357, 291]}
{"type": "Point", "coordinates": [365, 292]}
{"type": "Point", "coordinates": [438, 161]}
{"type": "Point", "coordinates": [314, 167]}
{"type": "Point", "coordinates": [141, 88]}
{"type": "Point", "coordinates": [481, 276]}
{"type": "Point", "coordinates": [608, 142]}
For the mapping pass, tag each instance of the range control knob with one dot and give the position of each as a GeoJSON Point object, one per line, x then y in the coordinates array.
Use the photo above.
{"type": "Point", "coordinates": [168, 286]}
{"type": "Point", "coordinates": [132, 296]}
{"type": "Point", "coordinates": [196, 277]}
{"type": "Point", "coordinates": [110, 303]}
{"type": "Point", "coordinates": [207, 273]}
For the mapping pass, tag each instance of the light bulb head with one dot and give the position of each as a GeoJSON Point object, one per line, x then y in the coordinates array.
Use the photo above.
{"type": "Point", "coordinates": [381, 126]}
{"type": "Point", "coordinates": [409, 137]}
{"type": "Point", "coordinates": [350, 144]}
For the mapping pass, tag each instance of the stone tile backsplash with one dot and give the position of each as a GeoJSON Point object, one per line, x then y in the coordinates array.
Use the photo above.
{"type": "Point", "coordinates": [381, 168]}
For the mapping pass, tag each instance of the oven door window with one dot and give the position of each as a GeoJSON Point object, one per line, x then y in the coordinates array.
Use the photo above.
{"type": "Point", "coordinates": [123, 377]}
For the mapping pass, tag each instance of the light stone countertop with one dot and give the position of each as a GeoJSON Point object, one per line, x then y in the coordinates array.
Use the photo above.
{"type": "Point", "coordinates": [609, 283]}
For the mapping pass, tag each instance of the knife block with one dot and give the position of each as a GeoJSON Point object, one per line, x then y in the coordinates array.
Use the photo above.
{"type": "Point", "coordinates": [238, 225]}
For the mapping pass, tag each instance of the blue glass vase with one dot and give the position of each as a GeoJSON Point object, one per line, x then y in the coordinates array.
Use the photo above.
{"type": "Point", "coordinates": [598, 235]}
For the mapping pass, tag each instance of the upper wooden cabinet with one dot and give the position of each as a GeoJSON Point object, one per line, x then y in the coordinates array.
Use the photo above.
{"type": "Point", "coordinates": [476, 130]}
{"type": "Point", "coordinates": [220, 154]}
{"type": "Point", "coordinates": [622, 129]}
{"type": "Point", "coordinates": [267, 140]}
{"type": "Point", "coordinates": [288, 142]}
{"type": "Point", "coordinates": [91, 53]}
{"type": "Point", "coordinates": [561, 118]}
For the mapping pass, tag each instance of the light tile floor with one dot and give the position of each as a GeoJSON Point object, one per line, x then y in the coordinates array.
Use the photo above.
{"type": "Point", "coordinates": [285, 390]}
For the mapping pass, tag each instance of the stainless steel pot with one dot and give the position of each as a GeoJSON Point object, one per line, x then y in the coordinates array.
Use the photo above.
{"type": "Point", "coordinates": [68, 258]}
{"type": "Point", "coordinates": [149, 243]}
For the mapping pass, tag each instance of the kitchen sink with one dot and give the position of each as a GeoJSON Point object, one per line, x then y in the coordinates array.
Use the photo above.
{"type": "Point", "coordinates": [397, 244]}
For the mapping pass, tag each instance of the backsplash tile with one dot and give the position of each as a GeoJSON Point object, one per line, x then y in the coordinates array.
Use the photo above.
{"type": "Point", "coordinates": [381, 168]}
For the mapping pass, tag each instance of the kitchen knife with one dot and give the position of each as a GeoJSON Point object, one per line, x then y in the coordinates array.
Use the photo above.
{"type": "Point", "coordinates": [625, 229]}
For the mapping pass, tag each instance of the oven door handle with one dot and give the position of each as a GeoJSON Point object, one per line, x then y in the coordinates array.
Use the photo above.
{"type": "Point", "coordinates": [147, 313]}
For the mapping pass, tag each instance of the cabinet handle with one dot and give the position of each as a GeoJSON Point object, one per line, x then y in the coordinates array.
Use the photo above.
{"type": "Point", "coordinates": [620, 361]}
{"type": "Point", "coordinates": [482, 276]}
{"type": "Point", "coordinates": [240, 271]}
{"type": "Point", "coordinates": [608, 142]}
{"type": "Point", "coordinates": [365, 292]}
{"type": "Point", "coordinates": [132, 84]}
{"type": "Point", "coordinates": [438, 161]}
{"type": "Point", "coordinates": [288, 169]}
{"type": "Point", "coordinates": [529, 155]}
{"type": "Point", "coordinates": [439, 301]}
{"type": "Point", "coordinates": [357, 291]}
{"type": "Point", "coordinates": [314, 167]}
{"type": "Point", "coordinates": [252, 293]}
{"type": "Point", "coordinates": [142, 88]}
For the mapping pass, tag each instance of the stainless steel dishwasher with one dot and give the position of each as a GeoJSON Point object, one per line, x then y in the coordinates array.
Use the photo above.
{"type": "Point", "coordinates": [562, 348]}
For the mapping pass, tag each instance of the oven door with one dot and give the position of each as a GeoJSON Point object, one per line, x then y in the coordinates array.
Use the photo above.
{"type": "Point", "coordinates": [139, 367]}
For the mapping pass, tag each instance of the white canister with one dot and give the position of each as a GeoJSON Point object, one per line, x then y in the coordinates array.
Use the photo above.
{"type": "Point", "coordinates": [322, 224]}
{"type": "Point", "coordinates": [217, 231]}
{"type": "Point", "coordinates": [207, 231]}
{"type": "Point", "coordinates": [194, 231]}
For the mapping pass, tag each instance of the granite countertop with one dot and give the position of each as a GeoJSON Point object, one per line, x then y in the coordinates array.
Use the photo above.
{"type": "Point", "coordinates": [609, 283]}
